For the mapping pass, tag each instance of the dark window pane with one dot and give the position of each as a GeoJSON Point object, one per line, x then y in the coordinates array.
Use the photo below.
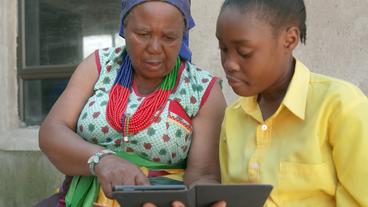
{"type": "Point", "coordinates": [61, 32]}
{"type": "Point", "coordinates": [39, 96]}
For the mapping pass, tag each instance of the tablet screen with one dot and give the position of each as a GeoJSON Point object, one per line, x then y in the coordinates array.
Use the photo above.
{"type": "Point", "coordinates": [252, 195]}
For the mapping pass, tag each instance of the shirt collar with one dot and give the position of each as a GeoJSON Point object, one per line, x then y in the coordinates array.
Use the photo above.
{"type": "Point", "coordinates": [296, 96]}
{"type": "Point", "coordinates": [295, 99]}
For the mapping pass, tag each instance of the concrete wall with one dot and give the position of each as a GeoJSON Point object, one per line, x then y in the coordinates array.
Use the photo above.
{"type": "Point", "coordinates": [337, 45]}
{"type": "Point", "coordinates": [8, 74]}
{"type": "Point", "coordinates": [26, 177]}
{"type": "Point", "coordinates": [203, 41]}
{"type": "Point", "coordinates": [337, 40]}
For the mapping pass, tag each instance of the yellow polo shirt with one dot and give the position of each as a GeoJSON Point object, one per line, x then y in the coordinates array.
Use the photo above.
{"type": "Point", "coordinates": [313, 150]}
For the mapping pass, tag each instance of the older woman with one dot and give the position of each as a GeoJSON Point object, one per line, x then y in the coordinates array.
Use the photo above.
{"type": "Point", "coordinates": [129, 110]}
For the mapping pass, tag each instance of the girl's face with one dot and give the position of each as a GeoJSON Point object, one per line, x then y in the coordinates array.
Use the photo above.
{"type": "Point", "coordinates": [252, 55]}
{"type": "Point", "coordinates": [153, 33]}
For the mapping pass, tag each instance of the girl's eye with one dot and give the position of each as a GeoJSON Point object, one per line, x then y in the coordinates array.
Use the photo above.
{"type": "Point", "coordinates": [245, 54]}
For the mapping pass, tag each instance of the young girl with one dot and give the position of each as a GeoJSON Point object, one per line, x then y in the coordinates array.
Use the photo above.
{"type": "Point", "coordinates": [304, 133]}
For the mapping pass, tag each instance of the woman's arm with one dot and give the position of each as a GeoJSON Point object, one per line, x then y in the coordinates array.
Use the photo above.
{"type": "Point", "coordinates": [57, 137]}
{"type": "Point", "coordinates": [68, 151]}
{"type": "Point", "coordinates": [203, 158]}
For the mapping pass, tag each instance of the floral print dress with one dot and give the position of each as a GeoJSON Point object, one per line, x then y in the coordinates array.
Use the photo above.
{"type": "Point", "coordinates": [169, 138]}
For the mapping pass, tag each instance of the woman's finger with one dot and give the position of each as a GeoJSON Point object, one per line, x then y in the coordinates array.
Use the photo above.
{"type": "Point", "coordinates": [140, 179]}
{"type": "Point", "coordinates": [107, 189]}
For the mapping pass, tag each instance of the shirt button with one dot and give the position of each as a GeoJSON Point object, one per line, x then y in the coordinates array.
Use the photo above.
{"type": "Point", "coordinates": [264, 127]}
{"type": "Point", "coordinates": [255, 165]}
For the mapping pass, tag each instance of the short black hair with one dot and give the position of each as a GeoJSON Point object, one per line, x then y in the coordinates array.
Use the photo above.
{"type": "Point", "coordinates": [277, 12]}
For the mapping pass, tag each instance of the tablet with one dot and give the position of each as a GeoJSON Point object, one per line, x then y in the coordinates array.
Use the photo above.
{"type": "Point", "coordinates": [246, 195]}
{"type": "Point", "coordinates": [242, 195]}
{"type": "Point", "coordinates": [161, 195]}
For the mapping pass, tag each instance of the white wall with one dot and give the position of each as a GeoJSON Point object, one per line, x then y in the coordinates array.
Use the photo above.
{"type": "Point", "coordinates": [337, 40]}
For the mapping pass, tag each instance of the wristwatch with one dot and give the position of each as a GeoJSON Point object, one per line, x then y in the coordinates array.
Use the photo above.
{"type": "Point", "coordinates": [95, 159]}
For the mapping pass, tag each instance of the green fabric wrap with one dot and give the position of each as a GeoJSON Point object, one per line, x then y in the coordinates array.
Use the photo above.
{"type": "Point", "coordinates": [83, 190]}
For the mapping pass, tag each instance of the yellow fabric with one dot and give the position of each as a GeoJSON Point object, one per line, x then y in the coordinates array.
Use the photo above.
{"type": "Point", "coordinates": [103, 201]}
{"type": "Point", "coordinates": [313, 150]}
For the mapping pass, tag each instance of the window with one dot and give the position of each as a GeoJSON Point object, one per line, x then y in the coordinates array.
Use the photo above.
{"type": "Point", "coordinates": [55, 35]}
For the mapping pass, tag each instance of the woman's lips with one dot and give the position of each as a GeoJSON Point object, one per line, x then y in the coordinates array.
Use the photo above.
{"type": "Point", "coordinates": [153, 64]}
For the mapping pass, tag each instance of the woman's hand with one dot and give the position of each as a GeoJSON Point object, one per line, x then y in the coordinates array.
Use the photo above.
{"type": "Point", "coordinates": [180, 204]}
{"type": "Point", "coordinates": [112, 170]}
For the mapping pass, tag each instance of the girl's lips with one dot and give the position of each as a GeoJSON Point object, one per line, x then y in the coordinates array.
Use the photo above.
{"type": "Point", "coordinates": [231, 79]}
{"type": "Point", "coordinates": [234, 81]}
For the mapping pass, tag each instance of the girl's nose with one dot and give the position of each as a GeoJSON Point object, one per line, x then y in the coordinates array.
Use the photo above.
{"type": "Point", "coordinates": [230, 64]}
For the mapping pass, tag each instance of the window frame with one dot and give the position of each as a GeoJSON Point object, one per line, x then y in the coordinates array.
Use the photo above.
{"type": "Point", "coordinates": [25, 72]}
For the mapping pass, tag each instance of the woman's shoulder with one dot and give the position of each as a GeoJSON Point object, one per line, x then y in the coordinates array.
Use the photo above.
{"type": "Point", "coordinates": [196, 71]}
{"type": "Point", "coordinates": [111, 51]}
{"type": "Point", "coordinates": [198, 77]}
{"type": "Point", "coordinates": [109, 58]}
{"type": "Point", "coordinates": [194, 87]}
{"type": "Point", "coordinates": [199, 80]}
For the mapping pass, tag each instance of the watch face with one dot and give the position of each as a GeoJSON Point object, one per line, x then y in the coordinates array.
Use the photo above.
{"type": "Point", "coordinates": [96, 159]}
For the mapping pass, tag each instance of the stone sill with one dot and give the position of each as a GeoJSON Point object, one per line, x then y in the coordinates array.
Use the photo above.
{"type": "Point", "coordinates": [20, 139]}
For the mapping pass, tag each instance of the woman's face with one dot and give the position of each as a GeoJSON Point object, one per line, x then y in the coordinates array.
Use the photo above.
{"type": "Point", "coordinates": [153, 34]}
{"type": "Point", "coordinates": [251, 54]}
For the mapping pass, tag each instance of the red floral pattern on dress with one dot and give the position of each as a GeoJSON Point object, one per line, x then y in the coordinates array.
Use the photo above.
{"type": "Point", "coordinates": [166, 138]}
{"type": "Point", "coordinates": [96, 114]}
{"type": "Point", "coordinates": [105, 129]}
{"type": "Point", "coordinates": [147, 146]}
{"type": "Point", "coordinates": [193, 100]}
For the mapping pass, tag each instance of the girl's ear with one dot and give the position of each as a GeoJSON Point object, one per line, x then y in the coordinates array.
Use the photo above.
{"type": "Point", "coordinates": [291, 39]}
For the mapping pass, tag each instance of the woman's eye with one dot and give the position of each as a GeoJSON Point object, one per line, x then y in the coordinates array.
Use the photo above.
{"type": "Point", "coordinates": [169, 38]}
{"type": "Point", "coordinates": [143, 35]}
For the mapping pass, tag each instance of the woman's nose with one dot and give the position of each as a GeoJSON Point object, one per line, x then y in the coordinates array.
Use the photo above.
{"type": "Point", "coordinates": [154, 45]}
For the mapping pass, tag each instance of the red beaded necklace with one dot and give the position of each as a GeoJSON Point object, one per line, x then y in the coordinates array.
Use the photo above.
{"type": "Point", "coordinates": [148, 111]}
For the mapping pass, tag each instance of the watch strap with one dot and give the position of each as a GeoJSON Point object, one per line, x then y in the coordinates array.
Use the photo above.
{"type": "Point", "coordinates": [96, 158]}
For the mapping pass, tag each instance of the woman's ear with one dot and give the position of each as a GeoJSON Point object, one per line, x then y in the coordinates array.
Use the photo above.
{"type": "Point", "coordinates": [291, 40]}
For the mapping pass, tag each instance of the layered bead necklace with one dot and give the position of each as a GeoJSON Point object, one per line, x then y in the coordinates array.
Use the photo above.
{"type": "Point", "coordinates": [148, 111]}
